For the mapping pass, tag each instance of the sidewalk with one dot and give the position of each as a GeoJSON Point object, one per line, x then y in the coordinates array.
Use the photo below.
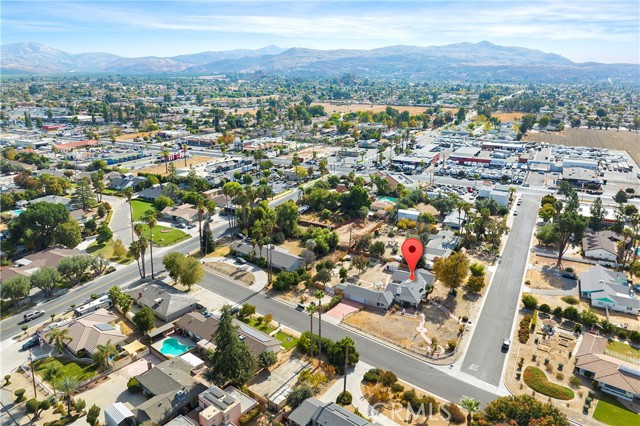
{"type": "Point", "coordinates": [354, 377]}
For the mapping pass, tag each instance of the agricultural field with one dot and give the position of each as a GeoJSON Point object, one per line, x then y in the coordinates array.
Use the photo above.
{"type": "Point", "coordinates": [611, 139]}
{"type": "Point", "coordinates": [506, 117]}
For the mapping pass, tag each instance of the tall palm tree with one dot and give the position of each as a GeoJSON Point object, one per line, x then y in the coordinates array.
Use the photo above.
{"type": "Point", "coordinates": [165, 156]}
{"type": "Point", "coordinates": [50, 374]}
{"type": "Point", "coordinates": [184, 153]}
{"type": "Point", "coordinates": [471, 406]}
{"type": "Point", "coordinates": [139, 229]}
{"type": "Point", "coordinates": [311, 309]}
{"type": "Point", "coordinates": [128, 192]}
{"type": "Point", "coordinates": [201, 209]}
{"type": "Point", "coordinates": [68, 386]}
{"type": "Point", "coordinates": [103, 353]}
{"type": "Point", "coordinates": [151, 218]}
{"type": "Point", "coordinates": [134, 252]}
{"type": "Point", "coordinates": [319, 295]}
{"type": "Point", "coordinates": [58, 337]}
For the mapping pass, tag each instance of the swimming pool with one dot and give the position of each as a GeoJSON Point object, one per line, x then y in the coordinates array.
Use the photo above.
{"type": "Point", "coordinates": [17, 212]}
{"type": "Point", "coordinates": [173, 347]}
{"type": "Point", "coordinates": [392, 199]}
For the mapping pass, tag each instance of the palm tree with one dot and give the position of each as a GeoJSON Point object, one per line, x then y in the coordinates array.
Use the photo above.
{"type": "Point", "coordinates": [58, 337]}
{"type": "Point", "coordinates": [103, 353]}
{"type": "Point", "coordinates": [311, 309]}
{"type": "Point", "coordinates": [128, 192]}
{"type": "Point", "coordinates": [151, 218]}
{"type": "Point", "coordinates": [184, 153]}
{"type": "Point", "coordinates": [165, 156]}
{"type": "Point", "coordinates": [319, 295]}
{"type": "Point", "coordinates": [139, 229]}
{"type": "Point", "coordinates": [200, 207]}
{"type": "Point", "coordinates": [50, 374]}
{"type": "Point", "coordinates": [68, 386]}
{"type": "Point", "coordinates": [134, 252]}
{"type": "Point", "coordinates": [471, 405]}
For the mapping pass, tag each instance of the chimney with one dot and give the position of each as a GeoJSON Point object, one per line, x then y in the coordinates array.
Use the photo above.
{"type": "Point", "coordinates": [139, 295]}
{"type": "Point", "coordinates": [149, 365]}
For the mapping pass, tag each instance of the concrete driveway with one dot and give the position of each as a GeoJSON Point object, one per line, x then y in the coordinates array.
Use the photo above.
{"type": "Point", "coordinates": [121, 220]}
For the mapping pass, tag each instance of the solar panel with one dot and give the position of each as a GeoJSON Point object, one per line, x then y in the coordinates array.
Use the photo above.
{"type": "Point", "coordinates": [104, 327]}
{"type": "Point", "coordinates": [258, 335]}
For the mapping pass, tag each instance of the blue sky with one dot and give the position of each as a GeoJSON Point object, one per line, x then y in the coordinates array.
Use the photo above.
{"type": "Point", "coordinates": [581, 30]}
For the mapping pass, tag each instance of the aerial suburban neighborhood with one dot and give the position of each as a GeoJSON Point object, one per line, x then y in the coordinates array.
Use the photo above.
{"type": "Point", "coordinates": [220, 238]}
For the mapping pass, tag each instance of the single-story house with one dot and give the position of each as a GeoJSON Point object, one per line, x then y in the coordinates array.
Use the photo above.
{"type": "Point", "coordinates": [608, 289]}
{"type": "Point", "coordinates": [406, 292]}
{"type": "Point", "coordinates": [601, 245]}
{"type": "Point", "coordinates": [125, 181]}
{"type": "Point", "coordinates": [440, 245]}
{"type": "Point", "coordinates": [150, 194]}
{"type": "Point", "coordinates": [202, 328]}
{"type": "Point", "coordinates": [184, 213]}
{"type": "Point", "coordinates": [454, 219]}
{"type": "Point", "coordinates": [171, 387]}
{"type": "Point", "coordinates": [280, 257]}
{"type": "Point", "coordinates": [167, 303]}
{"type": "Point", "coordinates": [410, 214]}
{"type": "Point", "coordinates": [55, 199]}
{"type": "Point", "coordinates": [91, 330]}
{"type": "Point", "coordinates": [613, 375]}
{"type": "Point", "coordinates": [313, 412]}
{"type": "Point", "coordinates": [223, 407]}
{"type": "Point", "coordinates": [49, 258]}
{"type": "Point", "coordinates": [375, 298]}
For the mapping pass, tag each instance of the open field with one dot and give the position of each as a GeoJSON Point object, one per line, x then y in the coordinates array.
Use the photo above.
{"type": "Point", "coordinates": [611, 139]}
{"type": "Point", "coordinates": [131, 136]}
{"type": "Point", "coordinates": [506, 117]}
{"type": "Point", "coordinates": [160, 169]}
{"type": "Point", "coordinates": [413, 110]}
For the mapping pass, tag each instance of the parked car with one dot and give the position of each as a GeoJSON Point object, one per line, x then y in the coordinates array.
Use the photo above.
{"type": "Point", "coordinates": [181, 225]}
{"type": "Point", "coordinates": [31, 343]}
{"type": "Point", "coordinates": [32, 315]}
{"type": "Point", "coordinates": [300, 307]}
{"type": "Point", "coordinates": [241, 261]}
{"type": "Point", "coordinates": [191, 225]}
{"type": "Point", "coordinates": [570, 275]}
{"type": "Point", "coordinates": [506, 343]}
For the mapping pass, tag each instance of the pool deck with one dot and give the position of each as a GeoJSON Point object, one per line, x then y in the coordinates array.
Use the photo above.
{"type": "Point", "coordinates": [182, 339]}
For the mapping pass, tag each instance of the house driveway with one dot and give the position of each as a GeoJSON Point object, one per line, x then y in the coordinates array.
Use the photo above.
{"type": "Point", "coordinates": [115, 388]}
{"type": "Point", "coordinates": [342, 309]}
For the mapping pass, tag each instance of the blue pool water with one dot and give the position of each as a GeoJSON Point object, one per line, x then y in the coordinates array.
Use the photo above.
{"type": "Point", "coordinates": [392, 199]}
{"type": "Point", "coordinates": [17, 212]}
{"type": "Point", "coordinates": [173, 347]}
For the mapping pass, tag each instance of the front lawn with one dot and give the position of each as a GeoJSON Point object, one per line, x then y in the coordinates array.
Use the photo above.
{"type": "Point", "coordinates": [291, 343]}
{"type": "Point", "coordinates": [164, 236]}
{"type": "Point", "coordinates": [537, 380]}
{"type": "Point", "coordinates": [623, 349]}
{"type": "Point", "coordinates": [67, 367]}
{"type": "Point", "coordinates": [611, 411]}
{"type": "Point", "coordinates": [139, 208]}
{"type": "Point", "coordinates": [106, 251]}
{"type": "Point", "coordinates": [254, 323]}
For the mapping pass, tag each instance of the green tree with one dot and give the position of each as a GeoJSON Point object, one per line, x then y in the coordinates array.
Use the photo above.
{"type": "Point", "coordinates": [452, 271]}
{"type": "Point", "coordinates": [75, 267]}
{"type": "Point", "coordinates": [119, 250]}
{"type": "Point", "coordinates": [207, 242]}
{"type": "Point", "coordinates": [97, 180]}
{"type": "Point", "coordinates": [191, 271]}
{"type": "Point", "coordinates": [104, 353]}
{"type": "Point", "coordinates": [161, 202]}
{"type": "Point", "coordinates": [68, 386]}
{"type": "Point", "coordinates": [361, 263]}
{"type": "Point", "coordinates": [46, 279]}
{"type": "Point", "coordinates": [68, 234]}
{"type": "Point", "coordinates": [266, 359]}
{"type": "Point", "coordinates": [36, 226]}
{"type": "Point", "coordinates": [51, 373]}
{"type": "Point", "coordinates": [298, 395]}
{"type": "Point", "coordinates": [471, 406]}
{"type": "Point", "coordinates": [15, 288]}
{"type": "Point", "coordinates": [597, 214]}
{"type": "Point", "coordinates": [93, 415]}
{"type": "Point", "coordinates": [58, 337]}
{"type": "Point", "coordinates": [445, 203]}
{"type": "Point", "coordinates": [144, 319]}
{"type": "Point", "coordinates": [285, 280]}
{"type": "Point", "coordinates": [150, 217]}
{"type": "Point", "coordinates": [522, 410]}
{"type": "Point", "coordinates": [547, 212]}
{"type": "Point", "coordinates": [83, 197]}
{"type": "Point", "coordinates": [621, 197]}
{"type": "Point", "coordinates": [104, 234]}
{"type": "Point", "coordinates": [353, 200]}
{"type": "Point", "coordinates": [568, 228]}
{"type": "Point", "coordinates": [377, 249]}
{"type": "Point", "coordinates": [231, 362]}
{"type": "Point", "coordinates": [287, 218]}
{"type": "Point", "coordinates": [336, 353]}
{"type": "Point", "coordinates": [172, 262]}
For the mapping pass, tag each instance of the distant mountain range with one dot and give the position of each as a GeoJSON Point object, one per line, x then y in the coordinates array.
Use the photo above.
{"type": "Point", "coordinates": [483, 61]}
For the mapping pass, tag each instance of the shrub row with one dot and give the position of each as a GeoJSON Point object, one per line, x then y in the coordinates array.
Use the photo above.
{"type": "Point", "coordinates": [249, 417]}
{"type": "Point", "coordinates": [523, 333]}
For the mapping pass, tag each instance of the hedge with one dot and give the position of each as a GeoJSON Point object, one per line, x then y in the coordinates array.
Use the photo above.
{"type": "Point", "coordinates": [536, 379]}
{"type": "Point", "coordinates": [249, 417]}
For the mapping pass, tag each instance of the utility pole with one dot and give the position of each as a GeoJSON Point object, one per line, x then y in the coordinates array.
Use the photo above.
{"type": "Point", "coordinates": [346, 364]}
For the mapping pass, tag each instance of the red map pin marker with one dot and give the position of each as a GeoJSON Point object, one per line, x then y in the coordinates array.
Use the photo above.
{"type": "Point", "coordinates": [412, 251]}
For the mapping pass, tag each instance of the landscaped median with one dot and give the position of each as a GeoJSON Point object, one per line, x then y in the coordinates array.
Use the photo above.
{"type": "Point", "coordinates": [537, 380]}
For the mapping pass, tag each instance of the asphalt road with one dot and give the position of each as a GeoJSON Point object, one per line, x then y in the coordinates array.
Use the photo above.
{"type": "Point", "coordinates": [413, 370]}
{"type": "Point", "coordinates": [484, 358]}
{"type": "Point", "coordinates": [12, 326]}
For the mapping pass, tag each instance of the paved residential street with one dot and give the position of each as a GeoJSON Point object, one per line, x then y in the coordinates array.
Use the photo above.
{"type": "Point", "coordinates": [121, 220]}
{"type": "Point", "coordinates": [484, 358]}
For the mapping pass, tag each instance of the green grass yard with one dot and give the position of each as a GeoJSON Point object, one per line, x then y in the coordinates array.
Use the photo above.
{"type": "Point", "coordinates": [282, 336]}
{"type": "Point", "coordinates": [139, 208]}
{"type": "Point", "coordinates": [611, 411]}
{"type": "Point", "coordinates": [253, 323]}
{"type": "Point", "coordinates": [623, 349]}
{"type": "Point", "coordinates": [106, 251]}
{"type": "Point", "coordinates": [67, 368]}
{"type": "Point", "coordinates": [164, 236]}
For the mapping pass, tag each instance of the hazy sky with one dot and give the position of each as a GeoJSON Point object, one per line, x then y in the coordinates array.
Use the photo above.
{"type": "Point", "coordinates": [581, 30]}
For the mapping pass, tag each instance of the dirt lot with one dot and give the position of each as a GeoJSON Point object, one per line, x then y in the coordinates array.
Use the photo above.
{"type": "Point", "coordinates": [548, 281]}
{"type": "Point", "coordinates": [294, 246]}
{"type": "Point", "coordinates": [234, 272]}
{"type": "Point", "coordinates": [611, 139]}
{"type": "Point", "coordinates": [131, 136]}
{"type": "Point", "coordinates": [160, 169]}
{"type": "Point", "coordinates": [413, 110]}
{"type": "Point", "coordinates": [506, 117]}
{"type": "Point", "coordinates": [355, 229]}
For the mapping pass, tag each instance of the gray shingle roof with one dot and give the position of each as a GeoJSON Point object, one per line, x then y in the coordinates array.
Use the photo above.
{"type": "Point", "coordinates": [280, 258]}
{"type": "Point", "coordinates": [163, 301]}
{"type": "Point", "coordinates": [315, 412]}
